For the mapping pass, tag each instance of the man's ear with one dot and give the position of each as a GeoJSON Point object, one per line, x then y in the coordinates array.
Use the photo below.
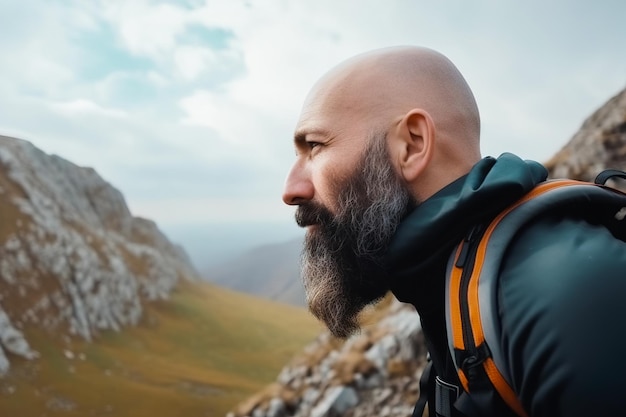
{"type": "Point", "coordinates": [414, 143]}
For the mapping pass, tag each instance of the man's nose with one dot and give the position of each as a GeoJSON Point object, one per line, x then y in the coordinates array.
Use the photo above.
{"type": "Point", "coordinates": [298, 186]}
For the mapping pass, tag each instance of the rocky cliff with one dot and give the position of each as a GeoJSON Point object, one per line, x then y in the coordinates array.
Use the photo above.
{"type": "Point", "coordinates": [376, 373]}
{"type": "Point", "coordinates": [73, 260]}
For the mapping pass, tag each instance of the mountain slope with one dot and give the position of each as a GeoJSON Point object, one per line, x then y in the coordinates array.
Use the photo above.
{"type": "Point", "coordinates": [73, 260]}
{"type": "Point", "coordinates": [196, 354]}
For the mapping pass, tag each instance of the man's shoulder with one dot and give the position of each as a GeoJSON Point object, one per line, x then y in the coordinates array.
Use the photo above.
{"type": "Point", "coordinates": [562, 285]}
{"type": "Point", "coordinates": [557, 255]}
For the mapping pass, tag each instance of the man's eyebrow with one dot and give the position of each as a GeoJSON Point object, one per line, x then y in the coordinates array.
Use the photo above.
{"type": "Point", "coordinates": [299, 137]}
{"type": "Point", "coordinates": [301, 134]}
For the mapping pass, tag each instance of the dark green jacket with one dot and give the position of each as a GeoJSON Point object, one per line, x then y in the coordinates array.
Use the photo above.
{"type": "Point", "coordinates": [562, 294]}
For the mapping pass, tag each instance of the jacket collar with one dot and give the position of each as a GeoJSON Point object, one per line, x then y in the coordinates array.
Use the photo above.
{"type": "Point", "coordinates": [417, 256]}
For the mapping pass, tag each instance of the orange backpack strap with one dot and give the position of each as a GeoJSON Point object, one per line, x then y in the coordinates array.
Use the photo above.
{"type": "Point", "coordinates": [473, 323]}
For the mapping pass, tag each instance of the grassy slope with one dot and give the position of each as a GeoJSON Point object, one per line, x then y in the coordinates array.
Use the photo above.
{"type": "Point", "coordinates": [197, 354]}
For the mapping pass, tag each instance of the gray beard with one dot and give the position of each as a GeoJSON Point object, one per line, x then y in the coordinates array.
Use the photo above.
{"type": "Point", "coordinates": [342, 255]}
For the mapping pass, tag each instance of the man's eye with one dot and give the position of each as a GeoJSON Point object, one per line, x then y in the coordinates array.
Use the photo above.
{"type": "Point", "coordinates": [312, 144]}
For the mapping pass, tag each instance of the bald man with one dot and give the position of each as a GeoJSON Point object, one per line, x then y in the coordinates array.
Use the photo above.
{"type": "Point", "coordinates": [388, 180]}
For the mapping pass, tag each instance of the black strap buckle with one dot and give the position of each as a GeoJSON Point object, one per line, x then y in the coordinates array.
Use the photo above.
{"type": "Point", "coordinates": [446, 395]}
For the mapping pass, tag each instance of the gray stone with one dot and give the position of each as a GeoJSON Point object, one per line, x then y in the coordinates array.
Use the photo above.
{"type": "Point", "coordinates": [336, 402]}
{"type": "Point", "coordinates": [374, 380]}
{"type": "Point", "coordinates": [311, 396]}
{"type": "Point", "coordinates": [276, 408]}
{"type": "Point", "coordinates": [378, 356]}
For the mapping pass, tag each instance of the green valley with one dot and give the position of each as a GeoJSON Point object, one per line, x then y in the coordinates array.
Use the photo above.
{"type": "Point", "coordinates": [196, 354]}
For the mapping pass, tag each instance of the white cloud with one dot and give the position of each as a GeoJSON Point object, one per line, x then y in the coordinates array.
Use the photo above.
{"type": "Point", "coordinates": [202, 110]}
{"type": "Point", "coordinates": [84, 107]}
{"type": "Point", "coordinates": [157, 79]}
{"type": "Point", "coordinates": [145, 28]}
{"type": "Point", "coordinates": [192, 61]}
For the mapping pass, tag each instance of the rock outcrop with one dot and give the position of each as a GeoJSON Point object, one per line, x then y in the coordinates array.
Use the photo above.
{"type": "Point", "coordinates": [376, 373]}
{"type": "Point", "coordinates": [73, 260]}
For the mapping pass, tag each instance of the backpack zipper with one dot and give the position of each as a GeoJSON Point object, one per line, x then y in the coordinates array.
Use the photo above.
{"type": "Point", "coordinates": [473, 356]}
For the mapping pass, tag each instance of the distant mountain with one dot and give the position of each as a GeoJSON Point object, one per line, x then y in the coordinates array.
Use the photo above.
{"type": "Point", "coordinates": [376, 373]}
{"type": "Point", "coordinates": [271, 271]}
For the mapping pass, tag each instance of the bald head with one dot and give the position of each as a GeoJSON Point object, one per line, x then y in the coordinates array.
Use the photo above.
{"type": "Point", "coordinates": [376, 90]}
{"type": "Point", "coordinates": [388, 82]}
{"type": "Point", "coordinates": [378, 134]}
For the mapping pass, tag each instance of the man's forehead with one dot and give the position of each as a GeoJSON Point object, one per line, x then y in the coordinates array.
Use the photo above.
{"type": "Point", "coordinates": [315, 116]}
{"type": "Point", "coordinates": [327, 107]}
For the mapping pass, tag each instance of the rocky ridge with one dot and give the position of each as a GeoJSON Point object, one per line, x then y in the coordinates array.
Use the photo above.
{"type": "Point", "coordinates": [376, 373]}
{"type": "Point", "coordinates": [73, 260]}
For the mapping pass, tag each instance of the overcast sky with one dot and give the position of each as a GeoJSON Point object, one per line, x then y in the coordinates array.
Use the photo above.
{"type": "Point", "coordinates": [188, 107]}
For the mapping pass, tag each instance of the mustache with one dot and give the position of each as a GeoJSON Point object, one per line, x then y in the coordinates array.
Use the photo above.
{"type": "Point", "coordinates": [309, 214]}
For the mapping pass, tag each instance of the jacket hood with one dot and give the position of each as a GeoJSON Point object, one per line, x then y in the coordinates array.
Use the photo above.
{"type": "Point", "coordinates": [421, 246]}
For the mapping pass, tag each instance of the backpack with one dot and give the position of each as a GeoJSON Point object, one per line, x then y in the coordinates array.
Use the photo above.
{"type": "Point", "coordinates": [472, 323]}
